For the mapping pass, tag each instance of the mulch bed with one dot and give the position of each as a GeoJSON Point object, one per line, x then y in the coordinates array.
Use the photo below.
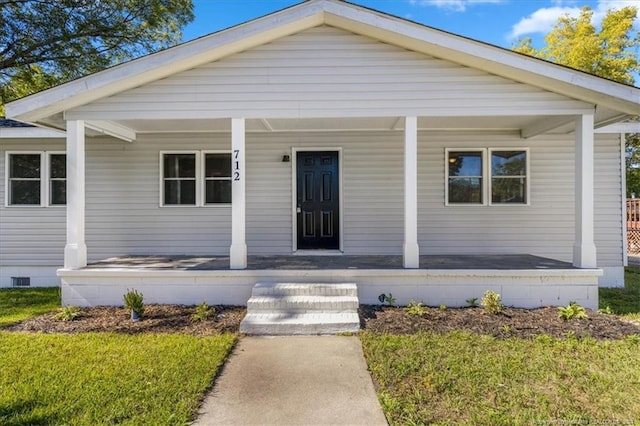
{"type": "Point", "coordinates": [512, 322]}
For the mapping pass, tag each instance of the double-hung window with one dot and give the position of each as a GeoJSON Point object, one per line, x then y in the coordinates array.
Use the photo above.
{"type": "Point", "coordinates": [487, 176]}
{"type": "Point", "coordinates": [36, 178]}
{"type": "Point", "coordinates": [195, 178]}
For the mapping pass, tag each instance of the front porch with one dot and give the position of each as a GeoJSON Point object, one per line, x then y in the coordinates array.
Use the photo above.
{"type": "Point", "coordinates": [522, 280]}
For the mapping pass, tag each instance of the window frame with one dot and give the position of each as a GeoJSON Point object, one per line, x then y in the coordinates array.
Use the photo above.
{"type": "Point", "coordinates": [200, 158]}
{"type": "Point", "coordinates": [48, 155]}
{"type": "Point", "coordinates": [203, 168]}
{"type": "Point", "coordinates": [45, 179]}
{"type": "Point", "coordinates": [483, 188]}
{"type": "Point", "coordinates": [487, 176]}
{"type": "Point", "coordinates": [527, 177]}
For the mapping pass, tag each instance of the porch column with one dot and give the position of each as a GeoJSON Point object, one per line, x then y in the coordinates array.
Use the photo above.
{"type": "Point", "coordinates": [584, 249]}
{"type": "Point", "coordinates": [411, 251]}
{"type": "Point", "coordinates": [75, 251]}
{"type": "Point", "coordinates": [238, 251]}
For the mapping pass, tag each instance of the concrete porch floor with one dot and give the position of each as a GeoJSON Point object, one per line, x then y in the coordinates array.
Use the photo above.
{"type": "Point", "coordinates": [296, 262]}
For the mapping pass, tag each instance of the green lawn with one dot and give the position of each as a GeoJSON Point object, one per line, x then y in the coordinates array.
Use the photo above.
{"type": "Point", "coordinates": [463, 378]}
{"type": "Point", "coordinates": [624, 301]}
{"type": "Point", "coordinates": [90, 379]}
{"type": "Point", "coordinates": [17, 304]}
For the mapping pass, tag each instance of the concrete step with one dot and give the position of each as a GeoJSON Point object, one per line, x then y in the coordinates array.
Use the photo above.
{"type": "Point", "coordinates": [275, 324]}
{"type": "Point", "coordinates": [302, 308]}
{"type": "Point", "coordinates": [316, 289]}
{"type": "Point", "coordinates": [304, 303]}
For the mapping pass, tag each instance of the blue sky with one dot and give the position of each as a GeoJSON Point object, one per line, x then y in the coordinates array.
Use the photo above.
{"type": "Point", "coordinates": [499, 22]}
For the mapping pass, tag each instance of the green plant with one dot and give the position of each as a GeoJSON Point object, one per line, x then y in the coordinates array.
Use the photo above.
{"type": "Point", "coordinates": [571, 311]}
{"type": "Point", "coordinates": [416, 308]}
{"type": "Point", "coordinates": [442, 307]}
{"type": "Point", "coordinates": [68, 313]}
{"type": "Point", "coordinates": [473, 302]}
{"type": "Point", "coordinates": [133, 301]}
{"type": "Point", "coordinates": [606, 310]}
{"type": "Point", "coordinates": [203, 312]}
{"type": "Point", "coordinates": [506, 329]}
{"type": "Point", "coordinates": [492, 303]}
{"type": "Point", "coordinates": [387, 298]}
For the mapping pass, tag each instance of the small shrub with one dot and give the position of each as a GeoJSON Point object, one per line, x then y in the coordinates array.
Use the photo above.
{"type": "Point", "coordinates": [203, 312]}
{"type": "Point", "coordinates": [68, 313]}
{"type": "Point", "coordinates": [492, 303]}
{"type": "Point", "coordinates": [473, 302]}
{"type": "Point", "coordinates": [416, 308]}
{"type": "Point", "coordinates": [606, 310]}
{"type": "Point", "coordinates": [506, 329]}
{"type": "Point", "coordinates": [387, 298]}
{"type": "Point", "coordinates": [133, 301]}
{"type": "Point", "coordinates": [443, 307]}
{"type": "Point", "coordinates": [571, 311]}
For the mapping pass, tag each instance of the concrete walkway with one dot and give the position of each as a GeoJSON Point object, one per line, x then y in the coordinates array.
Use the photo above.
{"type": "Point", "coordinates": [310, 380]}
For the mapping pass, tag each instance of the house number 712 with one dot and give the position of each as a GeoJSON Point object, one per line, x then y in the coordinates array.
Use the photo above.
{"type": "Point", "coordinates": [236, 165]}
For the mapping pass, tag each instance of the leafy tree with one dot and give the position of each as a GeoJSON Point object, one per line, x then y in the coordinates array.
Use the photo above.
{"type": "Point", "coordinates": [574, 41]}
{"type": "Point", "coordinates": [610, 52]}
{"type": "Point", "coordinates": [46, 42]}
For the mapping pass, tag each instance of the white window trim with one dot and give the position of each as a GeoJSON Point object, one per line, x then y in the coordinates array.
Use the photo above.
{"type": "Point", "coordinates": [487, 176]}
{"type": "Point", "coordinates": [527, 177]}
{"type": "Point", "coordinates": [483, 151]}
{"type": "Point", "coordinates": [49, 179]}
{"type": "Point", "coordinates": [45, 181]}
{"type": "Point", "coordinates": [203, 160]}
{"type": "Point", "coordinates": [200, 186]}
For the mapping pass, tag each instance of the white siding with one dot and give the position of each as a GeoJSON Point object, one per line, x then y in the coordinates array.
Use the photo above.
{"type": "Point", "coordinates": [327, 72]}
{"type": "Point", "coordinates": [124, 217]}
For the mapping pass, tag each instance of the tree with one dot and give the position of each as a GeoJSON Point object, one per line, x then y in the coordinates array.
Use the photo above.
{"type": "Point", "coordinates": [610, 53]}
{"type": "Point", "coordinates": [575, 42]}
{"type": "Point", "coordinates": [47, 42]}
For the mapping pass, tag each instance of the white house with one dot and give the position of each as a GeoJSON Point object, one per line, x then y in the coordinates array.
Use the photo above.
{"type": "Point", "coordinates": [325, 142]}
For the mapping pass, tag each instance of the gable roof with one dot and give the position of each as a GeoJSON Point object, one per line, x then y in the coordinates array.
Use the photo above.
{"type": "Point", "coordinates": [621, 99]}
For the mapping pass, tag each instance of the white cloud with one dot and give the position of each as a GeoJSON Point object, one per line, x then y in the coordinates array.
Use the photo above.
{"type": "Point", "coordinates": [542, 20]}
{"type": "Point", "coordinates": [455, 5]}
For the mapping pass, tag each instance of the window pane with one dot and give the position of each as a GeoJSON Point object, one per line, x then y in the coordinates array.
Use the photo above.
{"type": "Point", "coordinates": [58, 192]}
{"type": "Point", "coordinates": [508, 163]}
{"type": "Point", "coordinates": [179, 165]}
{"type": "Point", "coordinates": [218, 191]}
{"type": "Point", "coordinates": [508, 190]}
{"type": "Point", "coordinates": [465, 163]}
{"type": "Point", "coordinates": [465, 190]}
{"type": "Point", "coordinates": [24, 166]}
{"type": "Point", "coordinates": [58, 166]}
{"type": "Point", "coordinates": [180, 192]}
{"type": "Point", "coordinates": [25, 192]}
{"type": "Point", "coordinates": [217, 165]}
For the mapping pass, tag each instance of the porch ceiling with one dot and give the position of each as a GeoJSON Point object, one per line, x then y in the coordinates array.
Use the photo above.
{"type": "Point", "coordinates": [488, 123]}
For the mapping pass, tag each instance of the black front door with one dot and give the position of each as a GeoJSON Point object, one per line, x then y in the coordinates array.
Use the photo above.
{"type": "Point", "coordinates": [318, 205]}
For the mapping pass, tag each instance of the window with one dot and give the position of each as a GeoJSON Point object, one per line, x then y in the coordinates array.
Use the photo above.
{"type": "Point", "coordinates": [195, 178]}
{"type": "Point", "coordinates": [467, 171]}
{"type": "Point", "coordinates": [36, 178]}
{"type": "Point", "coordinates": [508, 177]}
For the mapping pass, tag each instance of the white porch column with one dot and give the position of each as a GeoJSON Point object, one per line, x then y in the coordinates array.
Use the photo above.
{"type": "Point", "coordinates": [584, 249]}
{"type": "Point", "coordinates": [75, 252]}
{"type": "Point", "coordinates": [411, 251]}
{"type": "Point", "coordinates": [238, 251]}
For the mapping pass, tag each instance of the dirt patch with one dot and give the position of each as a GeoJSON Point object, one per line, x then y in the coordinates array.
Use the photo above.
{"type": "Point", "coordinates": [512, 322]}
{"type": "Point", "coordinates": [157, 319]}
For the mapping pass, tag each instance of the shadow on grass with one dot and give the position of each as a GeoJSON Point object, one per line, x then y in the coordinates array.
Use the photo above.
{"type": "Point", "coordinates": [624, 301]}
{"type": "Point", "coordinates": [20, 413]}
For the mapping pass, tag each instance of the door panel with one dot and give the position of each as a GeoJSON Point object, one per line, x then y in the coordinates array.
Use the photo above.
{"type": "Point", "coordinates": [317, 183]}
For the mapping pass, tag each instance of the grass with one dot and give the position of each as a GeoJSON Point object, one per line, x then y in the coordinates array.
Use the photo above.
{"type": "Point", "coordinates": [92, 378]}
{"type": "Point", "coordinates": [18, 304]}
{"type": "Point", "coordinates": [624, 301]}
{"type": "Point", "coordinates": [464, 378]}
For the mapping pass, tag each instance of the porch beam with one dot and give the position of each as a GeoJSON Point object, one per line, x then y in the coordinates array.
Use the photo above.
{"type": "Point", "coordinates": [238, 250]}
{"type": "Point", "coordinates": [545, 125]}
{"type": "Point", "coordinates": [112, 129]}
{"type": "Point", "coordinates": [75, 251]}
{"type": "Point", "coordinates": [584, 249]}
{"type": "Point", "coordinates": [411, 251]}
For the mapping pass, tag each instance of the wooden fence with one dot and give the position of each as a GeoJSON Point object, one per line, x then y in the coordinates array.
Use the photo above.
{"type": "Point", "coordinates": [633, 225]}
